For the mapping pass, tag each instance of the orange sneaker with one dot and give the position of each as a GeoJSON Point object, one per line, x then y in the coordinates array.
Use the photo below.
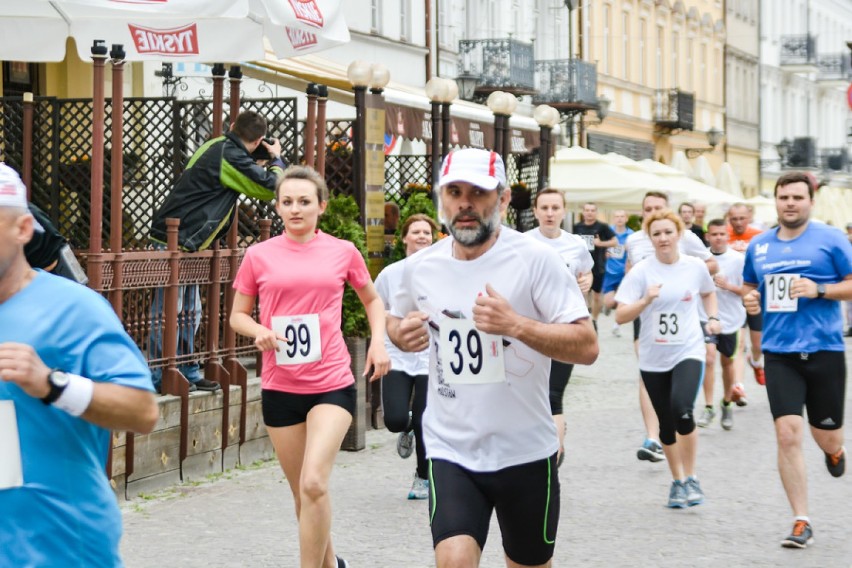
{"type": "Point", "coordinates": [738, 395]}
{"type": "Point", "coordinates": [759, 375]}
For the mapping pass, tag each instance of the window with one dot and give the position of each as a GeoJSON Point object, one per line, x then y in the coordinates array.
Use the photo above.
{"type": "Point", "coordinates": [675, 44]}
{"type": "Point", "coordinates": [703, 69]}
{"type": "Point", "coordinates": [588, 45]}
{"type": "Point", "coordinates": [606, 39]}
{"type": "Point", "coordinates": [689, 70]}
{"type": "Point", "coordinates": [404, 16]}
{"type": "Point", "coordinates": [444, 31]}
{"type": "Point", "coordinates": [625, 46]}
{"type": "Point", "coordinates": [643, 30]}
{"type": "Point", "coordinates": [375, 16]}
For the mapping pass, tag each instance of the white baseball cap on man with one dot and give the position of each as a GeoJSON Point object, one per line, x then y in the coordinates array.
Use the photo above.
{"type": "Point", "coordinates": [13, 193]}
{"type": "Point", "coordinates": [482, 168]}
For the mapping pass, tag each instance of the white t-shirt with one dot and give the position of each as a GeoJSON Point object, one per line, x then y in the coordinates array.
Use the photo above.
{"type": "Point", "coordinates": [732, 313]}
{"type": "Point", "coordinates": [491, 426]}
{"type": "Point", "coordinates": [640, 247]}
{"type": "Point", "coordinates": [572, 248]}
{"type": "Point", "coordinates": [671, 330]}
{"type": "Point", "coordinates": [387, 286]}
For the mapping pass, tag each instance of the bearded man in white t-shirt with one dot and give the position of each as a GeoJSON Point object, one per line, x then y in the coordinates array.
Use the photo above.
{"type": "Point", "coordinates": [494, 307]}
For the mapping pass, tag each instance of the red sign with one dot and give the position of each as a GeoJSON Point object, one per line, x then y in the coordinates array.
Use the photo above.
{"type": "Point", "coordinates": [300, 39]}
{"type": "Point", "coordinates": [849, 96]}
{"type": "Point", "coordinates": [174, 42]}
{"type": "Point", "coordinates": [308, 11]}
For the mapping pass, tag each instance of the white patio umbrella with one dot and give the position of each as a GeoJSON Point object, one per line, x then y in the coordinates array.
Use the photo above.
{"type": "Point", "coordinates": [681, 162]}
{"type": "Point", "coordinates": [717, 201]}
{"type": "Point", "coordinates": [180, 30]}
{"type": "Point", "coordinates": [728, 181]}
{"type": "Point", "coordinates": [584, 175]}
{"type": "Point", "coordinates": [703, 172]}
{"type": "Point", "coordinates": [764, 209]}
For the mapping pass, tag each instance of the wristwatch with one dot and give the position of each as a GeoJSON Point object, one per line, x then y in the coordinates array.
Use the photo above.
{"type": "Point", "coordinates": [57, 381]}
{"type": "Point", "coordinates": [820, 290]}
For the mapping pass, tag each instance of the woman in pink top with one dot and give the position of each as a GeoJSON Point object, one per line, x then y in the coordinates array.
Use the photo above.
{"type": "Point", "coordinates": [307, 385]}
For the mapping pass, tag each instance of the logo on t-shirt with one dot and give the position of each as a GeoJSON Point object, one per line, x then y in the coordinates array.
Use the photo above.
{"type": "Point", "coordinates": [687, 297]}
{"type": "Point", "coordinates": [761, 249]}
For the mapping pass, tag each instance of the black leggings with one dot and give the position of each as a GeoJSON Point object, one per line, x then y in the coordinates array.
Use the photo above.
{"type": "Point", "coordinates": [396, 401]}
{"type": "Point", "coordinates": [560, 374]}
{"type": "Point", "coordinates": [673, 396]}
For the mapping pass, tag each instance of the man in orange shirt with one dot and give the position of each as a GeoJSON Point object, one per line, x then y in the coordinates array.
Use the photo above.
{"type": "Point", "coordinates": [740, 234]}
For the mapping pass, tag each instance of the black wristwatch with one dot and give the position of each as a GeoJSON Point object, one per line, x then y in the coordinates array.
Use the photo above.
{"type": "Point", "coordinates": [58, 381]}
{"type": "Point", "coordinates": [820, 290]}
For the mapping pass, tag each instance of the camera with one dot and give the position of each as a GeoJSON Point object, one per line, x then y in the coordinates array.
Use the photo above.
{"type": "Point", "coordinates": [261, 153]}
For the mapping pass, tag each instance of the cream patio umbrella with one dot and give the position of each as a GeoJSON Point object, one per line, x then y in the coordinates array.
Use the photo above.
{"type": "Point", "coordinates": [681, 162]}
{"type": "Point", "coordinates": [584, 175]}
{"type": "Point", "coordinates": [728, 181]}
{"type": "Point", "coordinates": [703, 172]}
{"type": "Point", "coordinates": [717, 201]}
{"type": "Point", "coordinates": [764, 209]}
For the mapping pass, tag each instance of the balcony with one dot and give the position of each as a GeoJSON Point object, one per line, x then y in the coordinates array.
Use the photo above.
{"type": "Point", "coordinates": [798, 54]}
{"type": "Point", "coordinates": [834, 159]}
{"type": "Point", "coordinates": [673, 110]}
{"type": "Point", "coordinates": [501, 64]}
{"type": "Point", "coordinates": [835, 69]}
{"type": "Point", "coordinates": [566, 84]}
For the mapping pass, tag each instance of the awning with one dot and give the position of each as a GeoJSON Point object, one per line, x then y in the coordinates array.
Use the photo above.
{"type": "Point", "coordinates": [408, 108]}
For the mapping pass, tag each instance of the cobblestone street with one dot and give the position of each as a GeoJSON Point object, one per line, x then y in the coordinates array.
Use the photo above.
{"type": "Point", "coordinates": [612, 512]}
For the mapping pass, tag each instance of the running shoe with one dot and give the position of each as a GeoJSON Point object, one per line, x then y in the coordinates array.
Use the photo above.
{"type": "Point", "coordinates": [341, 563]}
{"type": "Point", "coordinates": [738, 395]}
{"type": "Point", "coordinates": [677, 495]}
{"type": "Point", "coordinates": [694, 494]}
{"type": "Point", "coordinates": [207, 385]}
{"type": "Point", "coordinates": [405, 444]}
{"type": "Point", "coordinates": [836, 463]}
{"type": "Point", "coordinates": [759, 374]}
{"type": "Point", "coordinates": [616, 330]}
{"type": "Point", "coordinates": [419, 489]}
{"type": "Point", "coordinates": [651, 450]}
{"type": "Point", "coordinates": [801, 537]}
{"type": "Point", "coordinates": [727, 420]}
{"type": "Point", "coordinates": [707, 417]}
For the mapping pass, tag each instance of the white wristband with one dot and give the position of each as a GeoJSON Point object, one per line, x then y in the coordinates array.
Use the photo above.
{"type": "Point", "coordinates": [77, 396]}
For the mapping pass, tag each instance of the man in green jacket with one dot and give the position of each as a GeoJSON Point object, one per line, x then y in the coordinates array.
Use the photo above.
{"type": "Point", "coordinates": [203, 199]}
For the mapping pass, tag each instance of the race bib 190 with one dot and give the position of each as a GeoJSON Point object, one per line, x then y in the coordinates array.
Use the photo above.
{"type": "Point", "coordinates": [777, 290]}
{"type": "Point", "coordinates": [11, 472]}
{"type": "Point", "coordinates": [469, 356]}
{"type": "Point", "coordinates": [668, 328]}
{"type": "Point", "coordinates": [303, 339]}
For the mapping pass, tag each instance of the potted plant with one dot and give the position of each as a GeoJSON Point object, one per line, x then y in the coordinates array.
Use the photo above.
{"type": "Point", "coordinates": [342, 220]}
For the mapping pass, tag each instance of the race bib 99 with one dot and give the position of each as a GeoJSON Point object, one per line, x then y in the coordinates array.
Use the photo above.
{"type": "Point", "coordinates": [777, 290]}
{"type": "Point", "coordinates": [469, 356]}
{"type": "Point", "coordinates": [668, 328]}
{"type": "Point", "coordinates": [303, 343]}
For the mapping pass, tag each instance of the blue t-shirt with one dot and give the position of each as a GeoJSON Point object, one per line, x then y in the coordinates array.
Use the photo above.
{"type": "Point", "coordinates": [617, 257]}
{"type": "Point", "coordinates": [822, 254]}
{"type": "Point", "coordinates": [65, 514]}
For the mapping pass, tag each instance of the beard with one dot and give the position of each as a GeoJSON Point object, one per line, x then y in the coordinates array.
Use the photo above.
{"type": "Point", "coordinates": [475, 236]}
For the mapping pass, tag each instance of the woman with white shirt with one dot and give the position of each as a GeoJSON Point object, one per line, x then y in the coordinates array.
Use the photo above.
{"type": "Point", "coordinates": [664, 292]}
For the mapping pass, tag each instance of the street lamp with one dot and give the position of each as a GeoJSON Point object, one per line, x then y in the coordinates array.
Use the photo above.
{"type": "Point", "coordinates": [440, 92]}
{"type": "Point", "coordinates": [783, 148]}
{"type": "Point", "coordinates": [502, 105]}
{"type": "Point", "coordinates": [714, 136]}
{"type": "Point", "coordinates": [379, 78]}
{"type": "Point", "coordinates": [467, 83]}
{"type": "Point", "coordinates": [547, 117]}
{"type": "Point", "coordinates": [359, 73]}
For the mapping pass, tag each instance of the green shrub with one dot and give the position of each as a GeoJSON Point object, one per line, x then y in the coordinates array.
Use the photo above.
{"type": "Point", "coordinates": [341, 220]}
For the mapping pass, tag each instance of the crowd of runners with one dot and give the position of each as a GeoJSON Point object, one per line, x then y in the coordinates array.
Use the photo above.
{"type": "Point", "coordinates": [482, 331]}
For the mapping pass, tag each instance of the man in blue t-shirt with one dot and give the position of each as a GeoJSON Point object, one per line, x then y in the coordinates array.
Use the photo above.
{"type": "Point", "coordinates": [616, 261]}
{"type": "Point", "coordinates": [68, 375]}
{"type": "Point", "coordinates": [796, 274]}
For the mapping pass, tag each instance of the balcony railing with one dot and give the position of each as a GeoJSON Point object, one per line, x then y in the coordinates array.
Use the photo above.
{"type": "Point", "coordinates": [674, 109]}
{"type": "Point", "coordinates": [835, 67]}
{"type": "Point", "coordinates": [798, 50]}
{"type": "Point", "coordinates": [566, 83]}
{"type": "Point", "coordinates": [501, 64]}
{"type": "Point", "coordinates": [836, 159]}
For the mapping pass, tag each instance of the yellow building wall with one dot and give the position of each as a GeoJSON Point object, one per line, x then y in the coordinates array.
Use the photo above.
{"type": "Point", "coordinates": [746, 164]}
{"type": "Point", "coordinates": [643, 45]}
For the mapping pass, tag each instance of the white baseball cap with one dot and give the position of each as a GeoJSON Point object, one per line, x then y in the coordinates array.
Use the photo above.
{"type": "Point", "coordinates": [12, 190]}
{"type": "Point", "coordinates": [481, 168]}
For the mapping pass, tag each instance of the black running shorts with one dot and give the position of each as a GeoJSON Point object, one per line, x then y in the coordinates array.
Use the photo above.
{"type": "Point", "coordinates": [525, 497]}
{"type": "Point", "coordinates": [560, 374]}
{"type": "Point", "coordinates": [287, 409]}
{"type": "Point", "coordinates": [726, 343]}
{"type": "Point", "coordinates": [816, 381]}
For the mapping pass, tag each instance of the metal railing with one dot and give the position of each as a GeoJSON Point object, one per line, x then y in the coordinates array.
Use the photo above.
{"type": "Point", "coordinates": [674, 109]}
{"type": "Point", "coordinates": [834, 67]}
{"type": "Point", "coordinates": [502, 64]}
{"type": "Point", "coordinates": [836, 159]}
{"type": "Point", "coordinates": [798, 50]}
{"type": "Point", "coordinates": [566, 81]}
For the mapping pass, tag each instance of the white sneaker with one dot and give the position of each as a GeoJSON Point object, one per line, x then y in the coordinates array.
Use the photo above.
{"type": "Point", "coordinates": [616, 330]}
{"type": "Point", "coordinates": [419, 488]}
